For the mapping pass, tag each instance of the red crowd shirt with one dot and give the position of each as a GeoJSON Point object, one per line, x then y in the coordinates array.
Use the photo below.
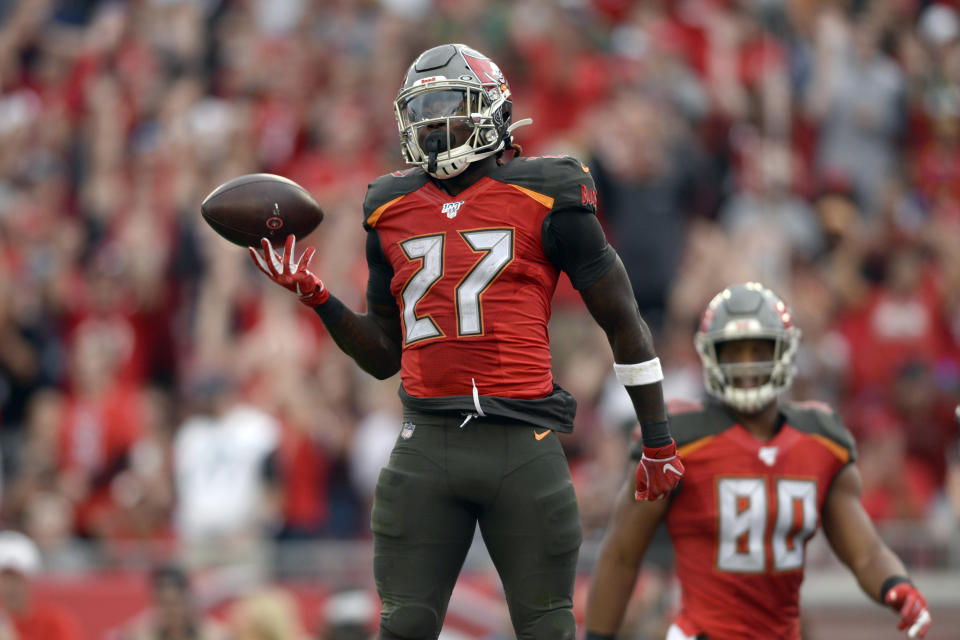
{"type": "Point", "coordinates": [889, 331]}
{"type": "Point", "coordinates": [44, 621]}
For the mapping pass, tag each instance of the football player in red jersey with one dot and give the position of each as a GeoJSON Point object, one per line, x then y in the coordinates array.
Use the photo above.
{"type": "Point", "coordinates": [762, 475]}
{"type": "Point", "coordinates": [464, 251]}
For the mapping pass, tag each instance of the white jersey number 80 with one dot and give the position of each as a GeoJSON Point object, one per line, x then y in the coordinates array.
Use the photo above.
{"type": "Point", "coordinates": [742, 535]}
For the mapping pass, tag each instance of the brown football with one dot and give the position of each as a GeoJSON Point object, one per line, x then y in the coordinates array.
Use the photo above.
{"type": "Point", "coordinates": [261, 205]}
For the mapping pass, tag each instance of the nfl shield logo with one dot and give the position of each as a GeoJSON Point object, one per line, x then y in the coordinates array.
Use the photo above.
{"type": "Point", "coordinates": [451, 208]}
{"type": "Point", "coordinates": [407, 432]}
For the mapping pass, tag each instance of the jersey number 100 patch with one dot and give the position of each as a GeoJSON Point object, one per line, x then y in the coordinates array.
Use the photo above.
{"type": "Point", "coordinates": [497, 245]}
{"type": "Point", "coordinates": [743, 531]}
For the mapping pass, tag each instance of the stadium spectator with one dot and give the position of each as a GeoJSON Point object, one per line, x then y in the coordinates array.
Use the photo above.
{"type": "Point", "coordinates": [649, 172]}
{"type": "Point", "coordinates": [224, 476]}
{"type": "Point", "coordinates": [100, 421]}
{"type": "Point", "coordinates": [857, 96]}
{"type": "Point", "coordinates": [774, 229]}
{"type": "Point", "coordinates": [173, 614]}
{"type": "Point", "coordinates": [36, 502]}
{"type": "Point", "coordinates": [23, 616]}
{"type": "Point", "coordinates": [267, 614]}
{"type": "Point", "coordinates": [348, 614]}
{"type": "Point", "coordinates": [898, 320]}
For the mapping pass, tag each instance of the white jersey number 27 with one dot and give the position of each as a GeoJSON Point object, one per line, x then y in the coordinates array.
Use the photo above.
{"type": "Point", "coordinates": [496, 245]}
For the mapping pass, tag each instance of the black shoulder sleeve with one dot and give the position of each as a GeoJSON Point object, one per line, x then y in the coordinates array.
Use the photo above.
{"type": "Point", "coordinates": [820, 419]}
{"type": "Point", "coordinates": [575, 243]}
{"type": "Point", "coordinates": [386, 190]}
{"type": "Point", "coordinates": [381, 272]}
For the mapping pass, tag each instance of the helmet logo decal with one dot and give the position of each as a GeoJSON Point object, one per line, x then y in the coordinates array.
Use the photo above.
{"type": "Point", "coordinates": [487, 72]}
{"type": "Point", "coordinates": [486, 69]}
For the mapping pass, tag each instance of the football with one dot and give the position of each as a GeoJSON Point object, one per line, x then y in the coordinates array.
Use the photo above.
{"type": "Point", "coordinates": [261, 205]}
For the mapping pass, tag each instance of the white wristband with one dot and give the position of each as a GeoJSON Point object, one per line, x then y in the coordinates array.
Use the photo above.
{"type": "Point", "coordinates": [632, 375]}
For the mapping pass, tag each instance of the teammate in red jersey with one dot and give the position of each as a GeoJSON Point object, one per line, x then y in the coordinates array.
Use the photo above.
{"type": "Point", "coordinates": [464, 251]}
{"type": "Point", "coordinates": [762, 475]}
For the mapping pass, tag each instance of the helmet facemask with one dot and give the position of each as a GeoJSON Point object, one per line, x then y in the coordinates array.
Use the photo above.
{"type": "Point", "coordinates": [448, 102]}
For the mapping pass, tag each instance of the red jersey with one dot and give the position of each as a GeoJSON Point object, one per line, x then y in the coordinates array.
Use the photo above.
{"type": "Point", "coordinates": [45, 621]}
{"type": "Point", "coordinates": [743, 514]}
{"type": "Point", "coordinates": [471, 277]}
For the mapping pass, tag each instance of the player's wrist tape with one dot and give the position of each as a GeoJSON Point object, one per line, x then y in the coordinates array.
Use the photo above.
{"type": "Point", "coordinates": [632, 375]}
{"type": "Point", "coordinates": [593, 635]}
{"type": "Point", "coordinates": [655, 434]}
{"type": "Point", "coordinates": [890, 583]}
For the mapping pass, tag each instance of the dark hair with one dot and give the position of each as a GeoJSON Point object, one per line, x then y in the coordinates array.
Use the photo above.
{"type": "Point", "coordinates": [516, 148]}
{"type": "Point", "coordinates": [169, 576]}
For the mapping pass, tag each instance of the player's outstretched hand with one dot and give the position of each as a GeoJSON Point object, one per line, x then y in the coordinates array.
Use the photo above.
{"type": "Point", "coordinates": [912, 606]}
{"type": "Point", "coordinates": [658, 473]}
{"type": "Point", "coordinates": [289, 273]}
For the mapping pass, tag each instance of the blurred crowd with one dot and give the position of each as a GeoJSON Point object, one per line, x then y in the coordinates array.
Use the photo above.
{"type": "Point", "coordinates": [159, 397]}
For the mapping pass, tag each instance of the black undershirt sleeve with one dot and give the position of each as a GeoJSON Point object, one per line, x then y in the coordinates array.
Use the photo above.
{"type": "Point", "coordinates": [575, 243]}
{"type": "Point", "coordinates": [381, 273]}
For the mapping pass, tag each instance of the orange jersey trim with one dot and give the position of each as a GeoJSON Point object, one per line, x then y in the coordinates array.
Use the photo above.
{"type": "Point", "coordinates": [690, 447]}
{"type": "Point", "coordinates": [545, 200]}
{"type": "Point", "coordinates": [372, 219]}
{"type": "Point", "coordinates": [838, 450]}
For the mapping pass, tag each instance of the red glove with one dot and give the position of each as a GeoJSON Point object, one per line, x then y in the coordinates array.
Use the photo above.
{"type": "Point", "coordinates": [289, 274]}
{"type": "Point", "coordinates": [910, 603]}
{"type": "Point", "coordinates": [658, 473]}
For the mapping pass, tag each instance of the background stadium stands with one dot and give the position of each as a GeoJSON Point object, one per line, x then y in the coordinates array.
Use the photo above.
{"type": "Point", "coordinates": [160, 400]}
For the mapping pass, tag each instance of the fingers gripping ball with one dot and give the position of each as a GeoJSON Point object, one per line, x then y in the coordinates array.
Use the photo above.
{"type": "Point", "coordinates": [261, 205]}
